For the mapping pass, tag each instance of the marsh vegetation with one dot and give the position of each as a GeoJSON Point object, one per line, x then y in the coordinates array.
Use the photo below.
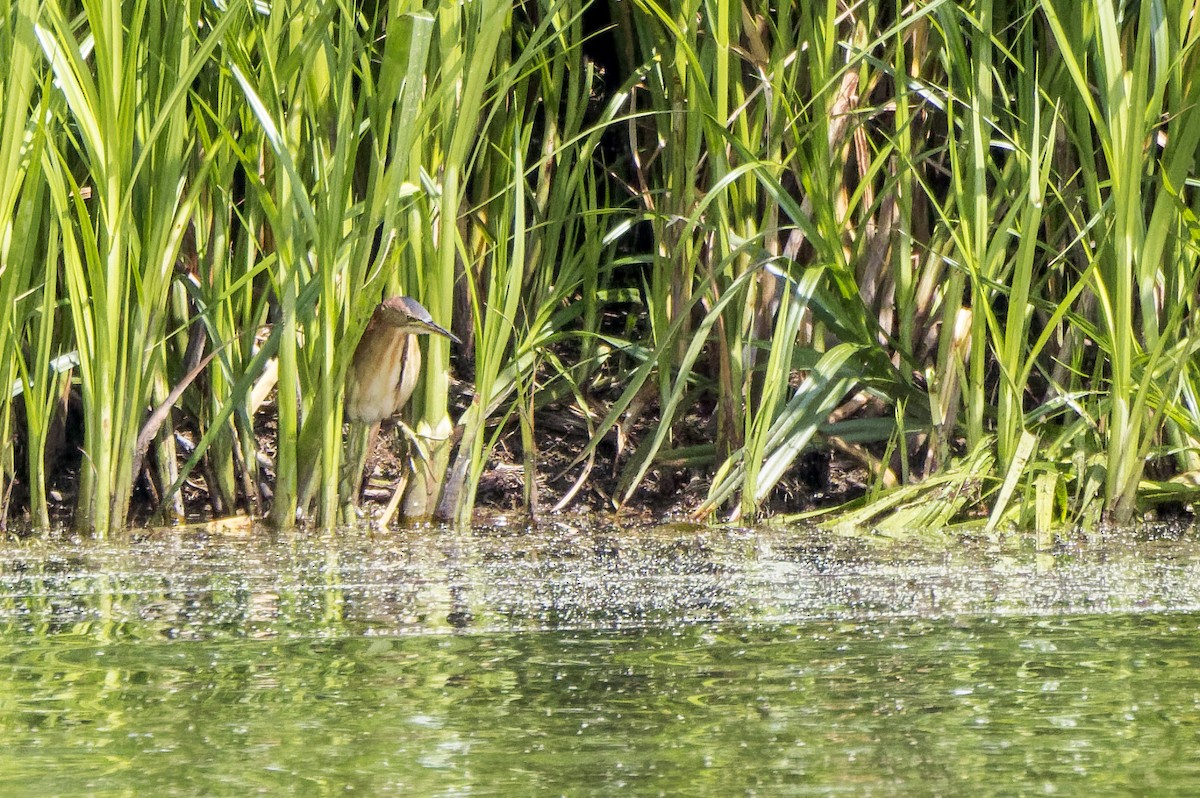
{"type": "Point", "coordinates": [953, 244]}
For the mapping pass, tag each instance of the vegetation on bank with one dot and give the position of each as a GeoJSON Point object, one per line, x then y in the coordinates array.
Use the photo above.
{"type": "Point", "coordinates": [954, 242]}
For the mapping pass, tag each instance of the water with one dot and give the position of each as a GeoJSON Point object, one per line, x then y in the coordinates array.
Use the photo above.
{"type": "Point", "coordinates": [596, 661]}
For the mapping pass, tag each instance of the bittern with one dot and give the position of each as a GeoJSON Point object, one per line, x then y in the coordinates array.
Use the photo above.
{"type": "Point", "coordinates": [387, 362]}
{"type": "Point", "coordinates": [384, 373]}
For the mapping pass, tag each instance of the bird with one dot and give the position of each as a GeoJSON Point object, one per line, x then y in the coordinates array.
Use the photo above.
{"type": "Point", "coordinates": [387, 361]}
{"type": "Point", "coordinates": [383, 374]}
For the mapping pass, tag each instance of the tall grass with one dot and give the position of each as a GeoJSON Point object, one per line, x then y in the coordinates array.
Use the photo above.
{"type": "Point", "coordinates": [21, 205]}
{"type": "Point", "coordinates": [956, 244]}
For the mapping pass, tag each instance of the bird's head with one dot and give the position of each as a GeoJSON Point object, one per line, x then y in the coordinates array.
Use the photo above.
{"type": "Point", "coordinates": [410, 316]}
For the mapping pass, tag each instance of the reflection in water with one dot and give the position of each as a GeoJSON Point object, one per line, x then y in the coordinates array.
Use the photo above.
{"type": "Point", "coordinates": [704, 662]}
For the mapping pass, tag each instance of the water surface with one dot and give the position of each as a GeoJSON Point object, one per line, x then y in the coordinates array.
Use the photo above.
{"type": "Point", "coordinates": [597, 661]}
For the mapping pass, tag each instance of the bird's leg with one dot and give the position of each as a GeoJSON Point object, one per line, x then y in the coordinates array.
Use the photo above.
{"type": "Point", "coordinates": [408, 447]}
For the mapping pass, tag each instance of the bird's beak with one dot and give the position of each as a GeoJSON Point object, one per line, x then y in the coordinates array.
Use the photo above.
{"type": "Point", "coordinates": [434, 328]}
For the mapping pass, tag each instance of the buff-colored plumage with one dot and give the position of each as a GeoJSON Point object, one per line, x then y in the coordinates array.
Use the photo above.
{"type": "Point", "coordinates": [387, 362]}
{"type": "Point", "coordinates": [381, 378]}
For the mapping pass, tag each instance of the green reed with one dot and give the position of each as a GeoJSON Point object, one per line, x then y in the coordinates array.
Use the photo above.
{"type": "Point", "coordinates": [955, 243]}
